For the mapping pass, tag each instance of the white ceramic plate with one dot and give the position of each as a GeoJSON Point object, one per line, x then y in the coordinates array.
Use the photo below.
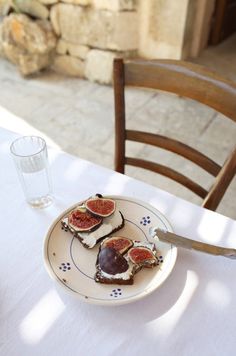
{"type": "Point", "coordinates": [73, 266]}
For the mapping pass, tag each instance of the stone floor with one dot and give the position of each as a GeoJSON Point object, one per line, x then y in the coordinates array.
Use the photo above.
{"type": "Point", "coordinates": [78, 116]}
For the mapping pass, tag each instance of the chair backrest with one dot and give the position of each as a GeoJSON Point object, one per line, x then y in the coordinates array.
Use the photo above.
{"type": "Point", "coordinates": [184, 79]}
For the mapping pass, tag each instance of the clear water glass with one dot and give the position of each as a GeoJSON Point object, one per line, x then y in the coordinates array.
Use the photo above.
{"type": "Point", "coordinates": [31, 159]}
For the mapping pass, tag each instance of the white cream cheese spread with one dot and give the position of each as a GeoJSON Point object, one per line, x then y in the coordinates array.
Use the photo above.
{"type": "Point", "coordinates": [108, 225]}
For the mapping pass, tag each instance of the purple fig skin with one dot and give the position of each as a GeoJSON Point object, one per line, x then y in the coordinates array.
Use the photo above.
{"type": "Point", "coordinates": [111, 261]}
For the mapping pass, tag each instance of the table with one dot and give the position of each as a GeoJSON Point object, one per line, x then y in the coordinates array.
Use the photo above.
{"type": "Point", "coordinates": [192, 313]}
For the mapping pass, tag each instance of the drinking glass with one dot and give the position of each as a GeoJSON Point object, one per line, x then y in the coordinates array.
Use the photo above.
{"type": "Point", "coordinates": [31, 160]}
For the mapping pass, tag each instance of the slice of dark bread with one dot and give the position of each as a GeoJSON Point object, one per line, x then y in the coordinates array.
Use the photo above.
{"type": "Point", "coordinates": [110, 225]}
{"type": "Point", "coordinates": [101, 279]}
{"type": "Point", "coordinates": [113, 267]}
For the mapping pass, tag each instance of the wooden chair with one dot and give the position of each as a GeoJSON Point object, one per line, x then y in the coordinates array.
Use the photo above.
{"type": "Point", "coordinates": [187, 80]}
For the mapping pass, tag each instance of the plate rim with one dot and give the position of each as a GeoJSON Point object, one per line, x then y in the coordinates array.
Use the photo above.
{"type": "Point", "coordinates": [90, 300]}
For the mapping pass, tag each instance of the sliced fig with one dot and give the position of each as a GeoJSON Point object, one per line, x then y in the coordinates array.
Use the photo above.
{"type": "Point", "coordinates": [141, 255]}
{"type": "Point", "coordinates": [120, 244]}
{"type": "Point", "coordinates": [83, 220]}
{"type": "Point", "coordinates": [111, 261]}
{"type": "Point", "coordinates": [101, 206]}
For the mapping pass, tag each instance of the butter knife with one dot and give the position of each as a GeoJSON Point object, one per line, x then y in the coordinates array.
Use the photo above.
{"type": "Point", "coordinates": [166, 236]}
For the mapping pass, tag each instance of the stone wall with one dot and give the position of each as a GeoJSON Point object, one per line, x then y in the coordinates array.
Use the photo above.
{"type": "Point", "coordinates": [91, 34]}
{"type": "Point", "coordinates": [84, 36]}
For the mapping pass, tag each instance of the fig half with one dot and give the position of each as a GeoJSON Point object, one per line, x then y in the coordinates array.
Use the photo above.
{"type": "Point", "coordinates": [142, 255]}
{"type": "Point", "coordinates": [100, 206]}
{"type": "Point", "coordinates": [83, 220]}
{"type": "Point", "coordinates": [119, 243]}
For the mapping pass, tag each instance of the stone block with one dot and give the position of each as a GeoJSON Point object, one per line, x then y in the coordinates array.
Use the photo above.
{"type": "Point", "coordinates": [33, 63]}
{"type": "Point", "coordinates": [54, 18]}
{"type": "Point", "coordinates": [48, 2]}
{"type": "Point", "coordinates": [114, 5]}
{"type": "Point", "coordinates": [5, 6]}
{"type": "Point", "coordinates": [76, 50]}
{"type": "Point", "coordinates": [99, 66]}
{"type": "Point", "coordinates": [32, 7]}
{"type": "Point", "coordinates": [1, 45]}
{"type": "Point", "coordinates": [62, 47]}
{"type": "Point", "coordinates": [100, 29]}
{"type": "Point", "coordinates": [28, 44]}
{"type": "Point", "coordinates": [78, 2]}
{"type": "Point", "coordinates": [68, 65]}
{"type": "Point", "coordinates": [30, 36]}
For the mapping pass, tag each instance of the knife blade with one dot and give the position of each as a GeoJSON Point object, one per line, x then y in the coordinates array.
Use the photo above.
{"type": "Point", "coordinates": [187, 243]}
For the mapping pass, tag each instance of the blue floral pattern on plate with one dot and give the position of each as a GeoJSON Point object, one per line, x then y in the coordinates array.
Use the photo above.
{"type": "Point", "coordinates": [145, 220]}
{"type": "Point", "coordinates": [65, 266]}
{"type": "Point", "coordinates": [116, 292]}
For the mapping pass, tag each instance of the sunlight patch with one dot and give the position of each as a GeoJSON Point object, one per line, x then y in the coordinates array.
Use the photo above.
{"type": "Point", "coordinates": [165, 324]}
{"type": "Point", "coordinates": [40, 319]}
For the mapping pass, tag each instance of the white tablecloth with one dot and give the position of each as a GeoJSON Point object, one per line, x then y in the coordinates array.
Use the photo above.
{"type": "Point", "coordinates": [192, 313]}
